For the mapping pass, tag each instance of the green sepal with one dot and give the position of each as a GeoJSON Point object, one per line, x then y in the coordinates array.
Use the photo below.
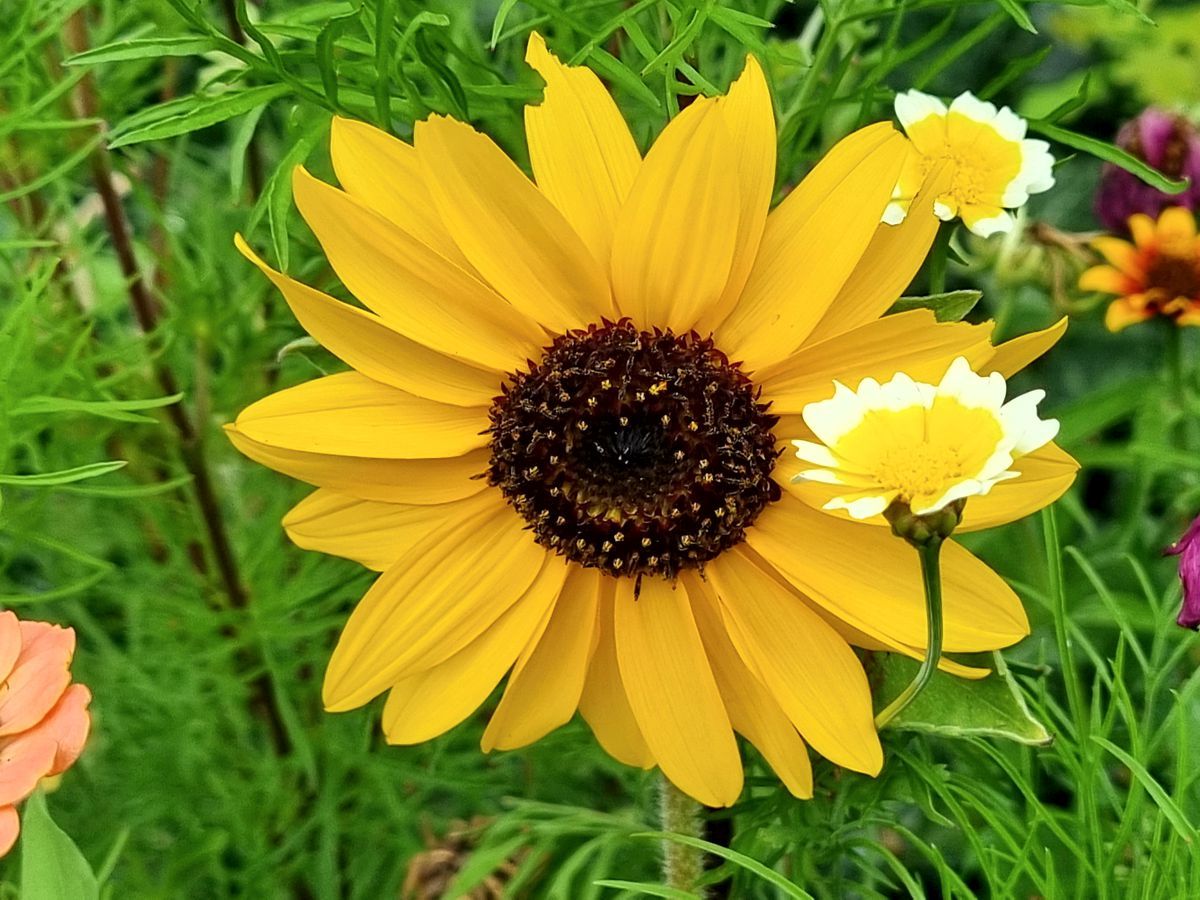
{"type": "Point", "coordinates": [956, 707]}
{"type": "Point", "coordinates": [951, 306]}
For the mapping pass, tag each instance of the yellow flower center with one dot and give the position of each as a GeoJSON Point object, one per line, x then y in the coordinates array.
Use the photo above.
{"type": "Point", "coordinates": [921, 453]}
{"type": "Point", "coordinates": [982, 162]}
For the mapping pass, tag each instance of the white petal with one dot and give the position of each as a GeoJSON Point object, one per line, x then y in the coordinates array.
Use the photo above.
{"type": "Point", "coordinates": [967, 104]}
{"type": "Point", "coordinates": [913, 106]}
{"type": "Point", "coordinates": [895, 213]}
{"type": "Point", "coordinates": [862, 507]}
{"type": "Point", "coordinates": [999, 224]}
{"type": "Point", "coordinates": [1009, 125]}
{"type": "Point", "coordinates": [943, 211]}
{"type": "Point", "coordinates": [817, 454]}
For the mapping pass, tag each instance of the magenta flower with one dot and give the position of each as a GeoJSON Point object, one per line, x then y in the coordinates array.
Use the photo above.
{"type": "Point", "coordinates": [1168, 142]}
{"type": "Point", "coordinates": [1187, 548]}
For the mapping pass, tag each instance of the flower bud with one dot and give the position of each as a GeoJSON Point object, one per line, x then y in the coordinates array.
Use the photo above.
{"type": "Point", "coordinates": [1187, 548]}
{"type": "Point", "coordinates": [1169, 143]}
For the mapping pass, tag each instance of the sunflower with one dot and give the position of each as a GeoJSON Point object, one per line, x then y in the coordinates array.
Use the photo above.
{"type": "Point", "coordinates": [1158, 274]}
{"type": "Point", "coordinates": [561, 442]}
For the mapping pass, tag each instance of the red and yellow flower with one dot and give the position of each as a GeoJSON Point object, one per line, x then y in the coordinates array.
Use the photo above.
{"type": "Point", "coordinates": [1155, 274]}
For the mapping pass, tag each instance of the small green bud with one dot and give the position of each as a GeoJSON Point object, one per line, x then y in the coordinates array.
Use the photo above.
{"type": "Point", "coordinates": [923, 531]}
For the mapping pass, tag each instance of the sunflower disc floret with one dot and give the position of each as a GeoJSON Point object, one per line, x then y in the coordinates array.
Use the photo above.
{"type": "Point", "coordinates": [634, 452]}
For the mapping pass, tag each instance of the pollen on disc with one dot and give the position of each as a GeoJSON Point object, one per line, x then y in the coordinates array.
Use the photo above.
{"type": "Point", "coordinates": [634, 452]}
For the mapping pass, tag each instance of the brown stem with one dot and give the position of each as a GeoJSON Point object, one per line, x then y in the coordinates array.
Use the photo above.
{"type": "Point", "coordinates": [146, 311]}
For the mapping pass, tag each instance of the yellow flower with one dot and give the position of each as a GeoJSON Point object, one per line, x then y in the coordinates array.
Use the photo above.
{"type": "Point", "coordinates": [1156, 275]}
{"type": "Point", "coordinates": [565, 479]}
{"type": "Point", "coordinates": [923, 445]}
{"type": "Point", "coordinates": [989, 164]}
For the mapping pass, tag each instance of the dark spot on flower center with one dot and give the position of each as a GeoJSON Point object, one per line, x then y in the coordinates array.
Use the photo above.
{"type": "Point", "coordinates": [634, 452]}
{"type": "Point", "coordinates": [1174, 276]}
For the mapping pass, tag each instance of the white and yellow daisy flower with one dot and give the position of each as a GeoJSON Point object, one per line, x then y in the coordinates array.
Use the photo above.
{"type": "Point", "coordinates": [923, 445]}
{"type": "Point", "coordinates": [989, 165]}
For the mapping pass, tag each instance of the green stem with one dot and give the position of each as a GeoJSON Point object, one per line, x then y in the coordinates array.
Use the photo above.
{"type": "Point", "coordinates": [682, 866]}
{"type": "Point", "coordinates": [931, 575]}
{"type": "Point", "coordinates": [938, 258]}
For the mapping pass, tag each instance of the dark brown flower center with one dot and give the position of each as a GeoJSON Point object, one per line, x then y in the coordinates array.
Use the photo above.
{"type": "Point", "coordinates": [1174, 276]}
{"type": "Point", "coordinates": [634, 452]}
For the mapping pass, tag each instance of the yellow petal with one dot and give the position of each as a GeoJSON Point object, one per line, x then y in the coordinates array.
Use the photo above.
{"type": "Point", "coordinates": [370, 346]}
{"type": "Point", "coordinates": [508, 229]}
{"type": "Point", "coordinates": [352, 415]}
{"type": "Point", "coordinates": [547, 681]}
{"type": "Point", "coordinates": [871, 579]}
{"type": "Point", "coordinates": [672, 692]}
{"type": "Point", "coordinates": [753, 710]}
{"type": "Point", "coordinates": [808, 668]}
{"type": "Point", "coordinates": [1105, 279]}
{"type": "Point", "coordinates": [383, 173]}
{"type": "Point", "coordinates": [1012, 356]}
{"type": "Point", "coordinates": [435, 600]}
{"type": "Point", "coordinates": [891, 261]}
{"type": "Point", "coordinates": [856, 638]}
{"type": "Point", "coordinates": [750, 121]}
{"type": "Point", "coordinates": [583, 156]}
{"type": "Point", "coordinates": [604, 704]}
{"type": "Point", "coordinates": [422, 706]}
{"type": "Point", "coordinates": [1176, 224]}
{"type": "Point", "coordinates": [370, 532]}
{"type": "Point", "coordinates": [419, 481]}
{"type": "Point", "coordinates": [423, 295]}
{"type": "Point", "coordinates": [812, 243]}
{"type": "Point", "coordinates": [1046, 473]}
{"type": "Point", "coordinates": [1121, 254]}
{"type": "Point", "coordinates": [676, 232]}
{"type": "Point", "coordinates": [912, 342]}
{"type": "Point", "coordinates": [1142, 227]}
{"type": "Point", "coordinates": [1122, 313]}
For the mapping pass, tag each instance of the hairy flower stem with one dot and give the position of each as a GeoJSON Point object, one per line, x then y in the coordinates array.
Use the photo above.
{"type": "Point", "coordinates": [930, 554]}
{"type": "Point", "coordinates": [682, 865]}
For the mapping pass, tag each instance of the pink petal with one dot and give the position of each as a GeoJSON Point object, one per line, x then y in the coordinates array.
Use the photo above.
{"type": "Point", "coordinates": [67, 725]}
{"type": "Point", "coordinates": [38, 679]}
{"type": "Point", "coordinates": [10, 642]}
{"type": "Point", "coordinates": [24, 761]}
{"type": "Point", "coordinates": [10, 827]}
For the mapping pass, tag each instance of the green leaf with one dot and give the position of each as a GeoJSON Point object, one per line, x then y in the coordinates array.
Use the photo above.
{"type": "Point", "coordinates": [951, 306]}
{"type": "Point", "coordinates": [506, 7]}
{"type": "Point", "coordinates": [196, 113]}
{"type": "Point", "coordinates": [647, 888]}
{"type": "Point", "coordinates": [52, 868]}
{"type": "Point", "coordinates": [1017, 11]}
{"type": "Point", "coordinates": [749, 863]}
{"type": "Point", "coordinates": [64, 476]}
{"type": "Point", "coordinates": [117, 410]}
{"type": "Point", "coordinates": [482, 863]}
{"type": "Point", "coordinates": [1176, 816]}
{"type": "Point", "coordinates": [143, 48]}
{"type": "Point", "coordinates": [1112, 154]}
{"type": "Point", "coordinates": [959, 707]}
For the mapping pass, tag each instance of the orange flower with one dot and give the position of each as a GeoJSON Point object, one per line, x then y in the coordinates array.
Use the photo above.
{"type": "Point", "coordinates": [44, 720]}
{"type": "Point", "coordinates": [1156, 275]}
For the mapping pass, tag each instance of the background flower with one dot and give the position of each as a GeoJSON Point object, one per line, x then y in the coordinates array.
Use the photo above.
{"type": "Point", "coordinates": [44, 721]}
{"type": "Point", "coordinates": [1170, 143]}
{"type": "Point", "coordinates": [1158, 274]}
{"type": "Point", "coordinates": [978, 156]}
